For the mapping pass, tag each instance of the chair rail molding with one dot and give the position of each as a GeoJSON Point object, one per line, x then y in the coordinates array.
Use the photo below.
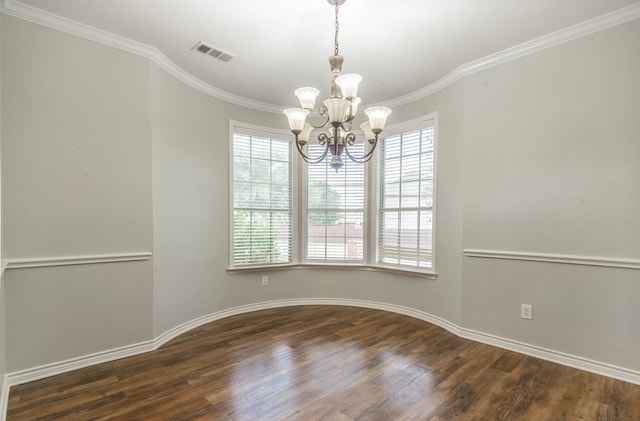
{"type": "Point", "coordinates": [623, 263]}
{"type": "Point", "coordinates": [38, 262]}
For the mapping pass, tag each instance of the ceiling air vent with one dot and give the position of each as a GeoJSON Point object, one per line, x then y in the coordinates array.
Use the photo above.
{"type": "Point", "coordinates": [214, 52]}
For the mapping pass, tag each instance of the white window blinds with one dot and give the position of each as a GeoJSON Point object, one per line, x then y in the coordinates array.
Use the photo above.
{"type": "Point", "coordinates": [406, 199]}
{"type": "Point", "coordinates": [335, 209]}
{"type": "Point", "coordinates": [262, 206]}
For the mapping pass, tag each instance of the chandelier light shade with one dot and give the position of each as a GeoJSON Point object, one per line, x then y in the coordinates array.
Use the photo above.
{"type": "Point", "coordinates": [349, 84]}
{"type": "Point", "coordinates": [297, 118]}
{"type": "Point", "coordinates": [307, 97]}
{"type": "Point", "coordinates": [368, 134]}
{"type": "Point", "coordinates": [303, 138]}
{"type": "Point", "coordinates": [377, 117]}
{"type": "Point", "coordinates": [337, 109]}
{"type": "Point", "coordinates": [354, 108]}
{"type": "Point", "coordinates": [338, 113]}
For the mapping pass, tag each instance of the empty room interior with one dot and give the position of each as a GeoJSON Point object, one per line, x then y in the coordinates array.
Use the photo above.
{"type": "Point", "coordinates": [204, 218]}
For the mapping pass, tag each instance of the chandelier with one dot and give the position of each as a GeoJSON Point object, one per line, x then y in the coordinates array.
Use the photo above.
{"type": "Point", "coordinates": [338, 112]}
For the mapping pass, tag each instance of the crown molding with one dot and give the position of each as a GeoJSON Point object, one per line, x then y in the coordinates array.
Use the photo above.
{"type": "Point", "coordinates": [588, 27]}
{"type": "Point", "coordinates": [59, 23]}
{"type": "Point", "coordinates": [38, 16]}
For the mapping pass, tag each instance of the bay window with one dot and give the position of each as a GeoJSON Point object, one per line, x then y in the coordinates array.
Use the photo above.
{"type": "Point", "coordinates": [392, 228]}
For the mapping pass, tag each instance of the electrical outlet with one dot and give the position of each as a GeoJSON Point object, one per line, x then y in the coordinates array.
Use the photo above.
{"type": "Point", "coordinates": [526, 311]}
{"type": "Point", "coordinates": [265, 280]}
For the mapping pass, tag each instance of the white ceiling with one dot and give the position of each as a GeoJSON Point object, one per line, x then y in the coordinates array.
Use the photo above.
{"type": "Point", "coordinates": [399, 46]}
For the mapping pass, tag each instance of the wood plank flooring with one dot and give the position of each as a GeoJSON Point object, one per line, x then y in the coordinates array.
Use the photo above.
{"type": "Point", "coordinates": [325, 363]}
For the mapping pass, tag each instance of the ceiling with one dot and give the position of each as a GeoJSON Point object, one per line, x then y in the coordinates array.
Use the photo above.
{"type": "Point", "coordinates": [398, 46]}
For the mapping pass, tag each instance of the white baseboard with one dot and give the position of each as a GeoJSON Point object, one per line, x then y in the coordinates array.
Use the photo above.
{"type": "Point", "coordinates": [31, 374]}
{"type": "Point", "coordinates": [48, 370]}
{"type": "Point", "coordinates": [581, 363]}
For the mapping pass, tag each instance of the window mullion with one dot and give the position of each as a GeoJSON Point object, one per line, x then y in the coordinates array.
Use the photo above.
{"type": "Point", "coordinates": [400, 194]}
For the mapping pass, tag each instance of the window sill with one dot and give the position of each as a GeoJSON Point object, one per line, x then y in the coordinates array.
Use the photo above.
{"type": "Point", "coordinates": [371, 268]}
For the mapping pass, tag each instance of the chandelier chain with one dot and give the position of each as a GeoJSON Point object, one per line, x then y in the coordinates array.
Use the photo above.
{"type": "Point", "coordinates": [337, 29]}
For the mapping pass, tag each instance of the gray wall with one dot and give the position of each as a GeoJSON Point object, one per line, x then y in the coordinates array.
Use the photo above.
{"type": "Point", "coordinates": [76, 166]}
{"type": "Point", "coordinates": [103, 152]}
{"type": "Point", "coordinates": [552, 165]}
{"type": "Point", "coordinates": [190, 133]}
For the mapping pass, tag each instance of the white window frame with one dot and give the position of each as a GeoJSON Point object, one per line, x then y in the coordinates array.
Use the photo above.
{"type": "Point", "coordinates": [429, 120]}
{"type": "Point", "coordinates": [304, 215]}
{"type": "Point", "coordinates": [236, 127]}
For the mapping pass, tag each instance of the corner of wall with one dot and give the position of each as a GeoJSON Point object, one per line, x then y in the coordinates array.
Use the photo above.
{"type": "Point", "coordinates": [4, 388]}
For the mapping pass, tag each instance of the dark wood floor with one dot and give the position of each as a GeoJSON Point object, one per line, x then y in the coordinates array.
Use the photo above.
{"type": "Point", "coordinates": [325, 363]}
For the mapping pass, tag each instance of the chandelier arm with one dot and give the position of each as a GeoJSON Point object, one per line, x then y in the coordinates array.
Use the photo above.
{"type": "Point", "coordinates": [309, 159]}
{"type": "Point", "coordinates": [347, 126]}
{"type": "Point", "coordinates": [350, 138]}
{"type": "Point", "coordinates": [322, 125]}
{"type": "Point", "coordinates": [359, 159]}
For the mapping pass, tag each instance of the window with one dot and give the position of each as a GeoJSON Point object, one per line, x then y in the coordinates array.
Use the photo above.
{"type": "Point", "coordinates": [261, 197]}
{"type": "Point", "coordinates": [405, 214]}
{"type": "Point", "coordinates": [335, 210]}
{"type": "Point", "coordinates": [333, 221]}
